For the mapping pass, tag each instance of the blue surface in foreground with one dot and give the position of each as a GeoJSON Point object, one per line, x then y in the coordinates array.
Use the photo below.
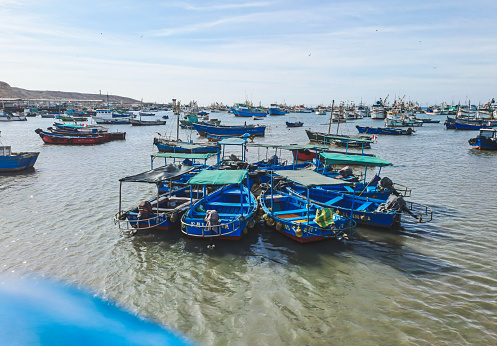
{"type": "Point", "coordinates": [39, 312]}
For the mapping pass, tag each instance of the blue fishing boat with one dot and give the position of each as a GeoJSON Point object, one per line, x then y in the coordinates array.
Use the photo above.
{"type": "Point", "coordinates": [226, 213]}
{"type": "Point", "coordinates": [297, 217]}
{"type": "Point", "coordinates": [160, 213]}
{"type": "Point", "coordinates": [364, 210]}
{"type": "Point", "coordinates": [460, 125]}
{"type": "Point", "coordinates": [186, 159]}
{"type": "Point", "coordinates": [15, 162]}
{"type": "Point", "coordinates": [229, 131]}
{"type": "Point", "coordinates": [384, 130]}
{"type": "Point", "coordinates": [244, 111]}
{"type": "Point", "coordinates": [378, 188]}
{"type": "Point", "coordinates": [274, 109]}
{"type": "Point", "coordinates": [259, 170]}
{"type": "Point", "coordinates": [468, 123]}
{"type": "Point", "coordinates": [294, 124]}
{"type": "Point", "coordinates": [450, 123]}
{"type": "Point", "coordinates": [486, 140]}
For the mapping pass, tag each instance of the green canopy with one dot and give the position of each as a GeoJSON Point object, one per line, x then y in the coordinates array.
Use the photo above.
{"type": "Point", "coordinates": [218, 177]}
{"type": "Point", "coordinates": [336, 159]}
{"type": "Point", "coordinates": [310, 178]}
{"type": "Point", "coordinates": [159, 174]}
{"type": "Point", "coordinates": [263, 145]}
{"type": "Point", "coordinates": [193, 156]}
{"type": "Point", "coordinates": [232, 141]}
{"type": "Point", "coordinates": [194, 146]}
{"type": "Point", "coordinates": [349, 139]}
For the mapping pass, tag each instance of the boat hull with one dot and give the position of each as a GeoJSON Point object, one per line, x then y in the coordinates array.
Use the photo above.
{"type": "Point", "coordinates": [229, 131]}
{"type": "Point", "coordinates": [362, 210]}
{"type": "Point", "coordinates": [297, 124]}
{"type": "Point", "coordinates": [247, 113]}
{"type": "Point", "coordinates": [235, 218]}
{"type": "Point", "coordinates": [467, 126]}
{"type": "Point", "coordinates": [293, 217]}
{"type": "Point", "coordinates": [135, 122]}
{"type": "Point", "coordinates": [50, 138]}
{"type": "Point", "coordinates": [18, 161]}
{"type": "Point", "coordinates": [274, 112]}
{"type": "Point", "coordinates": [384, 130]}
{"type": "Point", "coordinates": [483, 143]}
{"type": "Point", "coordinates": [174, 147]}
{"type": "Point", "coordinates": [348, 141]}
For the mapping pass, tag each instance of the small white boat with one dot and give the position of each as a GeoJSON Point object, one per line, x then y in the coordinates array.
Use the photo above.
{"type": "Point", "coordinates": [11, 117]}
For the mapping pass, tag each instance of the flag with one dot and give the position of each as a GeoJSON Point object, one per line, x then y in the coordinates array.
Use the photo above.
{"type": "Point", "coordinates": [374, 138]}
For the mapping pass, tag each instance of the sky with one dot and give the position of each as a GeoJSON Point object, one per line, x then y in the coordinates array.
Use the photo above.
{"type": "Point", "coordinates": [294, 52]}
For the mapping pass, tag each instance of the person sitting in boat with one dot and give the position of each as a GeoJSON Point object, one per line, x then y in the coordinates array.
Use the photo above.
{"type": "Point", "coordinates": [345, 172]}
{"type": "Point", "coordinates": [273, 160]}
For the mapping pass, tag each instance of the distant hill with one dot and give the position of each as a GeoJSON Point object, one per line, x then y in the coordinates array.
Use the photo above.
{"type": "Point", "coordinates": [6, 91]}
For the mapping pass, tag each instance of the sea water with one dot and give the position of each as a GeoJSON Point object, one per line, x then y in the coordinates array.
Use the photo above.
{"type": "Point", "coordinates": [428, 283]}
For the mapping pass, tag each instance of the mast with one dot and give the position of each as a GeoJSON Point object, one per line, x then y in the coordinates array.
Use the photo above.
{"type": "Point", "coordinates": [175, 111]}
{"type": "Point", "coordinates": [331, 115]}
{"type": "Point", "coordinates": [340, 114]}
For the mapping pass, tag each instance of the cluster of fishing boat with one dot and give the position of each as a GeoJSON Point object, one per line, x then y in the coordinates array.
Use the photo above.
{"type": "Point", "coordinates": [78, 134]}
{"type": "Point", "coordinates": [307, 201]}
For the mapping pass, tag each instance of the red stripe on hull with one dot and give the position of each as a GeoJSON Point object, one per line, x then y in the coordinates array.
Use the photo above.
{"type": "Point", "coordinates": [225, 237]}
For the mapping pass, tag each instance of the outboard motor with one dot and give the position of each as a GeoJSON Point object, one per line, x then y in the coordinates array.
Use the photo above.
{"type": "Point", "coordinates": [187, 162]}
{"type": "Point", "coordinates": [144, 210]}
{"type": "Point", "coordinates": [393, 203]}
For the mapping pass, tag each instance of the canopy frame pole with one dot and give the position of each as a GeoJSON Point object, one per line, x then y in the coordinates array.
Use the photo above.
{"type": "Point", "coordinates": [157, 186]}
{"type": "Point", "coordinates": [365, 172]}
{"type": "Point", "coordinates": [248, 187]}
{"type": "Point", "coordinates": [120, 189]}
{"type": "Point", "coordinates": [271, 191]}
{"type": "Point", "coordinates": [308, 206]}
{"type": "Point", "coordinates": [352, 206]}
{"type": "Point", "coordinates": [241, 196]}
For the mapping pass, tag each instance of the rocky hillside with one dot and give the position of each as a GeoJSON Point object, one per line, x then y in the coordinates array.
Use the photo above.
{"type": "Point", "coordinates": [6, 91]}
